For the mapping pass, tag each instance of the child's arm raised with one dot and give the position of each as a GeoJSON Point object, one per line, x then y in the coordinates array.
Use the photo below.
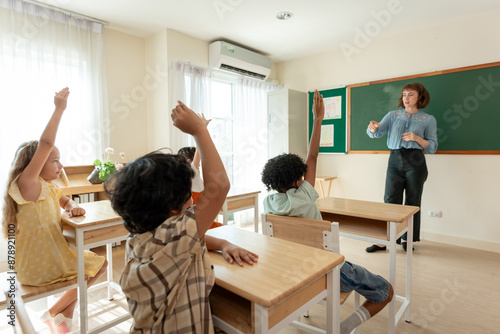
{"type": "Point", "coordinates": [312, 154]}
{"type": "Point", "coordinates": [28, 182]}
{"type": "Point", "coordinates": [214, 175]}
{"type": "Point", "coordinates": [196, 158]}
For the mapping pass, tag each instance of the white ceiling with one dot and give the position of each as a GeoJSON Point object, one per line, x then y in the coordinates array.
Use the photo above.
{"type": "Point", "coordinates": [317, 25]}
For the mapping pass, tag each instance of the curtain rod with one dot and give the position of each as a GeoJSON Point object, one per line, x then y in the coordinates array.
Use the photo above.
{"type": "Point", "coordinates": [65, 11]}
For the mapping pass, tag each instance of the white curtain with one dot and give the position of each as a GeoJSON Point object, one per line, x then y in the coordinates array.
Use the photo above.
{"type": "Point", "coordinates": [250, 139]}
{"type": "Point", "coordinates": [250, 142]}
{"type": "Point", "coordinates": [41, 52]}
{"type": "Point", "coordinates": [191, 85]}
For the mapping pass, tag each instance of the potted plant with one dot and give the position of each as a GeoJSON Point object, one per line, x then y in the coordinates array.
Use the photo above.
{"type": "Point", "coordinates": [104, 169]}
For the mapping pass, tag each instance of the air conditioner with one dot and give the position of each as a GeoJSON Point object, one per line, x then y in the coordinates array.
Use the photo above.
{"type": "Point", "coordinates": [229, 57]}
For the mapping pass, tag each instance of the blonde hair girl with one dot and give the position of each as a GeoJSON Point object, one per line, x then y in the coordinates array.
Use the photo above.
{"type": "Point", "coordinates": [33, 210]}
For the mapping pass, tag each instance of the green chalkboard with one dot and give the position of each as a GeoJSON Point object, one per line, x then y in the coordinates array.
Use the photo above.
{"type": "Point", "coordinates": [465, 103]}
{"type": "Point", "coordinates": [333, 129]}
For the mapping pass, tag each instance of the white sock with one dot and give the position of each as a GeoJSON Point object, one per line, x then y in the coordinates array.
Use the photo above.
{"type": "Point", "coordinates": [354, 320]}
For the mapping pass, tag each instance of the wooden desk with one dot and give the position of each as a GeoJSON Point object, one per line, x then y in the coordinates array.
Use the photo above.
{"type": "Point", "coordinates": [100, 226]}
{"type": "Point", "coordinates": [321, 179]}
{"type": "Point", "coordinates": [241, 199]}
{"type": "Point", "coordinates": [380, 223]}
{"type": "Point", "coordinates": [288, 279]}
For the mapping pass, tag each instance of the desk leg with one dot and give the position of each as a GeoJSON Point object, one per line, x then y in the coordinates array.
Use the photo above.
{"type": "Point", "coordinates": [333, 304]}
{"type": "Point", "coordinates": [261, 323]}
{"type": "Point", "coordinates": [392, 277]}
{"type": "Point", "coordinates": [109, 255]}
{"type": "Point", "coordinates": [321, 188]}
{"type": "Point", "coordinates": [329, 187]}
{"type": "Point", "coordinates": [409, 255]}
{"type": "Point", "coordinates": [256, 213]}
{"type": "Point", "coordinates": [82, 285]}
{"type": "Point", "coordinates": [224, 213]}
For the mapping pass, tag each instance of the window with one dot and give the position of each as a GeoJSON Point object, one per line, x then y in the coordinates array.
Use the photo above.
{"type": "Point", "coordinates": [43, 51]}
{"type": "Point", "coordinates": [221, 126]}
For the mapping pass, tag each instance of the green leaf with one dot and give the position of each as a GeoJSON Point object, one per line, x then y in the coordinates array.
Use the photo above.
{"type": "Point", "coordinates": [97, 163]}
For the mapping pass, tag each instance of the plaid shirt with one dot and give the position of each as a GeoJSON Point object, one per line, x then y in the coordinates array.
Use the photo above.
{"type": "Point", "coordinates": [167, 278]}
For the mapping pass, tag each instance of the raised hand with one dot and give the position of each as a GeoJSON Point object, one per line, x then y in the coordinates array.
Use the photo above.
{"type": "Point", "coordinates": [205, 121]}
{"type": "Point", "coordinates": [61, 98]}
{"type": "Point", "coordinates": [373, 126]}
{"type": "Point", "coordinates": [318, 106]}
{"type": "Point", "coordinates": [187, 120]}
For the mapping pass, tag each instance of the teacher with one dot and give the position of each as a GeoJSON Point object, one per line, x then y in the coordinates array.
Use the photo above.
{"type": "Point", "coordinates": [411, 132]}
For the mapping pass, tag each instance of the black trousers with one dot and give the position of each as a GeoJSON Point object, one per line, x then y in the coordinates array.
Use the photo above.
{"type": "Point", "coordinates": [406, 174]}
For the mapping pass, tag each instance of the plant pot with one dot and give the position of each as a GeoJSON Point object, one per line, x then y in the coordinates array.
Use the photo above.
{"type": "Point", "coordinates": [94, 177]}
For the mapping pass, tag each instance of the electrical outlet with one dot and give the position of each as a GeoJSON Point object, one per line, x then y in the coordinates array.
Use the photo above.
{"type": "Point", "coordinates": [434, 213]}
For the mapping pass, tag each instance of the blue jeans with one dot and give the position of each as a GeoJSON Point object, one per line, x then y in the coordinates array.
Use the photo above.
{"type": "Point", "coordinates": [406, 173]}
{"type": "Point", "coordinates": [373, 287]}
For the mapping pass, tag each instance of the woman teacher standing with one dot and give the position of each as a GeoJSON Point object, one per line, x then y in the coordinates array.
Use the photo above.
{"type": "Point", "coordinates": [411, 132]}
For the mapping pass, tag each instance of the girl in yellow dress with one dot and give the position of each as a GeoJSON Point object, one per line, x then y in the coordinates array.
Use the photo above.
{"type": "Point", "coordinates": [33, 208]}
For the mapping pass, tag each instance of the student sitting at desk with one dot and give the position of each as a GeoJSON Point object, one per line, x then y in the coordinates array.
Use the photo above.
{"type": "Point", "coordinates": [168, 275]}
{"type": "Point", "coordinates": [293, 180]}
{"type": "Point", "coordinates": [33, 210]}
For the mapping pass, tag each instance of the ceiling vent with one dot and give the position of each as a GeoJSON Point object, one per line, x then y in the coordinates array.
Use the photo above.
{"type": "Point", "coordinates": [235, 59]}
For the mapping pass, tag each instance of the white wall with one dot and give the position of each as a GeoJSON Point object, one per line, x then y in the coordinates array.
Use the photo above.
{"type": "Point", "coordinates": [126, 74]}
{"type": "Point", "coordinates": [157, 83]}
{"type": "Point", "coordinates": [464, 187]}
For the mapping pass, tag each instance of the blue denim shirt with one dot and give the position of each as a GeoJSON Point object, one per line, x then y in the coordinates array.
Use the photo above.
{"type": "Point", "coordinates": [398, 122]}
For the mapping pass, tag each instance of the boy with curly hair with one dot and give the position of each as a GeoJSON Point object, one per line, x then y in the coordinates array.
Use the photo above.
{"type": "Point", "coordinates": [168, 275]}
{"type": "Point", "coordinates": [293, 180]}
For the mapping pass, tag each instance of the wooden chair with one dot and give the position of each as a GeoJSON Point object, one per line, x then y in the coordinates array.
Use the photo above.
{"type": "Point", "coordinates": [22, 322]}
{"type": "Point", "coordinates": [20, 294]}
{"type": "Point", "coordinates": [316, 233]}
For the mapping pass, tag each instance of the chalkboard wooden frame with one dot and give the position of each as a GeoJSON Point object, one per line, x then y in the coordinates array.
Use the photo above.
{"type": "Point", "coordinates": [451, 75]}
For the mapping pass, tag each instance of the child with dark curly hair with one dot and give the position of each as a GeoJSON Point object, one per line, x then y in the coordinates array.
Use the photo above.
{"type": "Point", "coordinates": [168, 275]}
{"type": "Point", "coordinates": [293, 179]}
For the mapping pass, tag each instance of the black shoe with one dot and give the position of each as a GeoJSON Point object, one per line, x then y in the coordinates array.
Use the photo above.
{"type": "Point", "coordinates": [404, 244]}
{"type": "Point", "coordinates": [398, 241]}
{"type": "Point", "coordinates": [374, 248]}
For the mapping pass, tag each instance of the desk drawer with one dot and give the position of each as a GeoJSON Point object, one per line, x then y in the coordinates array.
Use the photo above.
{"type": "Point", "coordinates": [97, 235]}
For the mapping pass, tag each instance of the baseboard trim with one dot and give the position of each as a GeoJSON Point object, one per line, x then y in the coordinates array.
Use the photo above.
{"type": "Point", "coordinates": [462, 242]}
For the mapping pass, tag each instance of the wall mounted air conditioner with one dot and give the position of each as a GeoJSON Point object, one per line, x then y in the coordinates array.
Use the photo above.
{"type": "Point", "coordinates": [229, 57]}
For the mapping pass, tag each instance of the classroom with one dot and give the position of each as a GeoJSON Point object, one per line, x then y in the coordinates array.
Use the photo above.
{"type": "Point", "coordinates": [146, 61]}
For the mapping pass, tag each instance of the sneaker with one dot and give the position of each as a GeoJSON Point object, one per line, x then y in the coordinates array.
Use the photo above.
{"type": "Point", "coordinates": [375, 248]}
{"type": "Point", "coordinates": [61, 324]}
{"type": "Point", "coordinates": [47, 319]}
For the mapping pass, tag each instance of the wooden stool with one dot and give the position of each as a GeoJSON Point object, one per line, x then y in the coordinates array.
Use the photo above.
{"type": "Point", "coordinates": [320, 179]}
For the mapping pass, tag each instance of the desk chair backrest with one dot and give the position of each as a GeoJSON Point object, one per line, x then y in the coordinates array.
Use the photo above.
{"type": "Point", "coordinates": [316, 233]}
